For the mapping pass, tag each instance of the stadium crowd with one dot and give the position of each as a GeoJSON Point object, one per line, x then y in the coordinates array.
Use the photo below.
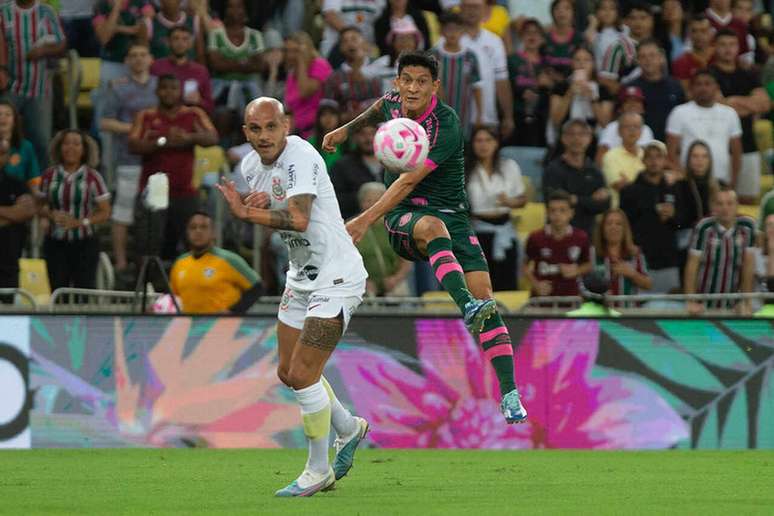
{"type": "Point", "coordinates": [653, 121]}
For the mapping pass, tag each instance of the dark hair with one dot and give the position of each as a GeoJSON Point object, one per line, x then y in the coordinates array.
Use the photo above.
{"type": "Point", "coordinates": [56, 147]}
{"type": "Point", "coordinates": [325, 105]}
{"type": "Point", "coordinates": [471, 160]}
{"type": "Point", "coordinates": [450, 18]}
{"type": "Point", "coordinates": [579, 122]}
{"type": "Point", "coordinates": [167, 77]}
{"type": "Point", "coordinates": [199, 212]}
{"type": "Point", "coordinates": [180, 28]}
{"type": "Point", "coordinates": [650, 42]}
{"type": "Point", "coordinates": [599, 242]}
{"type": "Point", "coordinates": [691, 179]}
{"type": "Point", "coordinates": [419, 58]}
{"type": "Point", "coordinates": [701, 72]}
{"type": "Point", "coordinates": [533, 22]}
{"type": "Point", "coordinates": [16, 133]}
{"type": "Point", "coordinates": [588, 50]}
{"type": "Point", "coordinates": [725, 32]}
{"type": "Point", "coordinates": [136, 42]}
{"type": "Point", "coordinates": [224, 6]}
{"type": "Point", "coordinates": [698, 18]}
{"type": "Point", "coordinates": [639, 6]}
{"type": "Point", "coordinates": [555, 3]}
{"type": "Point", "coordinates": [350, 28]}
{"type": "Point", "coordinates": [559, 195]}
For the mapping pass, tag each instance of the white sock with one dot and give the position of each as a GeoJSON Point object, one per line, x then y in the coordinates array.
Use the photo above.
{"type": "Point", "coordinates": [316, 414]}
{"type": "Point", "coordinates": [341, 419]}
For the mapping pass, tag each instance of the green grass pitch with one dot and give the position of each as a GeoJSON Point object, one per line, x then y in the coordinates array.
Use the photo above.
{"type": "Point", "coordinates": [386, 482]}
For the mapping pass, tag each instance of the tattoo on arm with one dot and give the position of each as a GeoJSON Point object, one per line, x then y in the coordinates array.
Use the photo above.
{"type": "Point", "coordinates": [322, 334]}
{"type": "Point", "coordinates": [298, 212]}
{"type": "Point", "coordinates": [371, 116]}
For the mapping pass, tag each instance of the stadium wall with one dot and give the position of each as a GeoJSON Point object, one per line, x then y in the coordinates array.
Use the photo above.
{"type": "Point", "coordinates": [110, 381]}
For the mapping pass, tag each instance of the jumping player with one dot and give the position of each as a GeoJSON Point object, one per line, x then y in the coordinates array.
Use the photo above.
{"type": "Point", "coordinates": [427, 215]}
{"type": "Point", "coordinates": [291, 192]}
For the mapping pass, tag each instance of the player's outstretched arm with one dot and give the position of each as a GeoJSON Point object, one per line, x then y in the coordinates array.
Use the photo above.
{"type": "Point", "coordinates": [293, 218]}
{"type": "Point", "coordinates": [397, 191]}
{"type": "Point", "coordinates": [371, 116]}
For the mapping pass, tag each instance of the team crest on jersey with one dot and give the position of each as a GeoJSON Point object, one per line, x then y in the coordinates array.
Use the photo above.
{"type": "Point", "coordinates": [285, 301]}
{"type": "Point", "coordinates": [574, 253]}
{"type": "Point", "coordinates": [248, 178]}
{"type": "Point", "coordinates": [545, 252]}
{"type": "Point", "coordinates": [405, 219]}
{"type": "Point", "coordinates": [209, 272]}
{"type": "Point", "coordinates": [276, 189]}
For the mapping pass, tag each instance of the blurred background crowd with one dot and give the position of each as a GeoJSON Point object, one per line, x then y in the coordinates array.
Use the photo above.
{"type": "Point", "coordinates": [632, 138]}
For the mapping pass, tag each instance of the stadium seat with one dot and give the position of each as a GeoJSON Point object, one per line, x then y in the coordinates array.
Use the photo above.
{"type": "Point", "coordinates": [443, 303]}
{"type": "Point", "coordinates": [33, 277]}
{"type": "Point", "coordinates": [529, 218]}
{"type": "Point", "coordinates": [209, 164]}
{"type": "Point", "coordinates": [530, 160]}
{"type": "Point", "coordinates": [81, 76]}
{"type": "Point", "coordinates": [751, 210]}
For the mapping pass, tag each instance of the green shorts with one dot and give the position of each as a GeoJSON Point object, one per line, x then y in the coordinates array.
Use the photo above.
{"type": "Point", "coordinates": [400, 228]}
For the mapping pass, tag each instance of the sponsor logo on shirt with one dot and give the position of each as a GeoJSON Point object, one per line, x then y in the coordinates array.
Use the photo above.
{"type": "Point", "coordinates": [545, 252]}
{"type": "Point", "coordinates": [293, 241]}
{"type": "Point", "coordinates": [310, 271]}
{"type": "Point", "coordinates": [405, 219]}
{"type": "Point", "coordinates": [285, 301]}
{"type": "Point", "coordinates": [209, 272]}
{"type": "Point", "coordinates": [574, 252]}
{"type": "Point", "coordinates": [291, 176]}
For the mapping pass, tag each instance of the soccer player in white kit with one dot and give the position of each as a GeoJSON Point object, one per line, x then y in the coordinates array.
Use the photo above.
{"type": "Point", "coordinates": [291, 192]}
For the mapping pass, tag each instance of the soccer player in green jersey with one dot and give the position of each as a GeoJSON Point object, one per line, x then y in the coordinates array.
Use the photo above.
{"type": "Point", "coordinates": [427, 215]}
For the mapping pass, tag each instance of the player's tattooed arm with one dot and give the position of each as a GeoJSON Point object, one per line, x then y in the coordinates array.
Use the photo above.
{"type": "Point", "coordinates": [371, 116]}
{"type": "Point", "coordinates": [322, 334]}
{"type": "Point", "coordinates": [293, 218]}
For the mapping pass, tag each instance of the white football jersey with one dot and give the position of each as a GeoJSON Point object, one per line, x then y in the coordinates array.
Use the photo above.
{"type": "Point", "coordinates": [323, 256]}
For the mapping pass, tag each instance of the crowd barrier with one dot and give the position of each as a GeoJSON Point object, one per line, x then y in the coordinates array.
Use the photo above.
{"type": "Point", "coordinates": [422, 382]}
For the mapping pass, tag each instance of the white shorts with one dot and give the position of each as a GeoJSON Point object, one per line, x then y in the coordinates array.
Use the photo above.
{"type": "Point", "coordinates": [127, 185]}
{"type": "Point", "coordinates": [297, 305]}
{"type": "Point", "coordinates": [748, 184]}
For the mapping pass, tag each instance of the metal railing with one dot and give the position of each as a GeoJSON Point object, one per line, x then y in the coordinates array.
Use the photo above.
{"type": "Point", "coordinates": [73, 300]}
{"type": "Point", "coordinates": [23, 300]}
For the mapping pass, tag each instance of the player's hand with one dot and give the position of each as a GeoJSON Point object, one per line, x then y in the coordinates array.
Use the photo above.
{"type": "Point", "coordinates": [257, 200]}
{"type": "Point", "coordinates": [543, 288]}
{"type": "Point", "coordinates": [694, 307]}
{"type": "Point", "coordinates": [357, 228]}
{"type": "Point", "coordinates": [233, 199]}
{"type": "Point", "coordinates": [623, 269]}
{"type": "Point", "coordinates": [334, 138]}
{"type": "Point", "coordinates": [569, 270]}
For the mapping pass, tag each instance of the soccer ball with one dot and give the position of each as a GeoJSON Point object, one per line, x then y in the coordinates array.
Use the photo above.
{"type": "Point", "coordinates": [401, 145]}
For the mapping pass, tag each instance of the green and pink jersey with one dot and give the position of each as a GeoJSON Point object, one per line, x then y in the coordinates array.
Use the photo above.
{"type": "Point", "coordinates": [444, 188]}
{"type": "Point", "coordinates": [22, 30]}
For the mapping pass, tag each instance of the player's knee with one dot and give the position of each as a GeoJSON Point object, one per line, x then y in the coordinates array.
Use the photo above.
{"type": "Point", "coordinates": [282, 374]}
{"type": "Point", "coordinates": [430, 228]}
{"type": "Point", "coordinates": [300, 377]}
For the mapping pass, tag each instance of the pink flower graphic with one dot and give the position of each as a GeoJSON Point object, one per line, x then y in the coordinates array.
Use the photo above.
{"type": "Point", "coordinates": [454, 403]}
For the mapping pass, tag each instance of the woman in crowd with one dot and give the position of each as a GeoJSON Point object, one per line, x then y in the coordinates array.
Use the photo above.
{"type": "Point", "coordinates": [580, 96]}
{"type": "Point", "coordinates": [561, 38]}
{"type": "Point", "coordinates": [615, 252]}
{"type": "Point", "coordinates": [672, 28]}
{"type": "Point", "coordinates": [307, 73]}
{"type": "Point", "coordinates": [692, 195]}
{"type": "Point", "coordinates": [75, 201]}
{"type": "Point", "coordinates": [395, 12]}
{"type": "Point", "coordinates": [495, 187]}
{"type": "Point", "coordinates": [22, 163]}
{"type": "Point", "coordinates": [328, 118]}
{"type": "Point", "coordinates": [604, 29]}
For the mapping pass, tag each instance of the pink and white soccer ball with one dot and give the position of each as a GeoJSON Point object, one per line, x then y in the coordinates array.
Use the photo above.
{"type": "Point", "coordinates": [401, 145]}
{"type": "Point", "coordinates": [165, 305]}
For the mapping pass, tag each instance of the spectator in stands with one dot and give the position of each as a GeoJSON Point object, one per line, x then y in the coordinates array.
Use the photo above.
{"type": "Point", "coordinates": [211, 280]}
{"type": "Point", "coordinates": [531, 83]}
{"type": "Point", "coordinates": [630, 100]}
{"type": "Point", "coordinates": [194, 77]}
{"type": "Point", "coordinates": [604, 30]}
{"type": "Point", "coordinates": [721, 259]}
{"type": "Point", "coordinates": [621, 59]}
{"type": "Point", "coordinates": [30, 35]}
{"type": "Point", "coordinates": [125, 97]}
{"type": "Point", "coordinates": [493, 69]}
{"type": "Point", "coordinates": [116, 25]}
{"type": "Point", "coordinates": [673, 28]}
{"type": "Point", "coordinates": [615, 252]}
{"type": "Point", "coordinates": [404, 37]}
{"type": "Point", "coordinates": [328, 118]}
{"type": "Point", "coordinates": [76, 200]}
{"type": "Point", "coordinates": [767, 248]}
{"type": "Point", "coordinates": [742, 90]}
{"type": "Point", "coordinates": [338, 14]}
{"type": "Point", "coordinates": [458, 70]}
{"type": "Point", "coordinates": [705, 119]}
{"type": "Point", "coordinates": [22, 162]}
{"type": "Point", "coordinates": [76, 16]}
{"type": "Point", "coordinates": [497, 20]}
{"type": "Point", "coordinates": [354, 85]}
{"type": "Point", "coordinates": [394, 12]}
{"type": "Point", "coordinates": [307, 73]}
{"type": "Point", "coordinates": [558, 254]}
{"type": "Point", "coordinates": [622, 164]}
{"type": "Point", "coordinates": [354, 170]}
{"type": "Point", "coordinates": [387, 272]}
{"type": "Point", "coordinates": [165, 137]}
{"type": "Point", "coordinates": [282, 17]}
{"type": "Point", "coordinates": [494, 187]}
{"type": "Point", "coordinates": [693, 193]}
{"type": "Point", "coordinates": [662, 93]}
{"type": "Point", "coordinates": [562, 38]}
{"type": "Point", "coordinates": [573, 172]}
{"type": "Point", "coordinates": [649, 204]}
{"type": "Point", "coordinates": [159, 27]}
{"type": "Point", "coordinates": [698, 55]}
{"type": "Point", "coordinates": [766, 207]}
{"type": "Point", "coordinates": [720, 16]}
{"type": "Point", "coordinates": [236, 56]}
{"type": "Point", "coordinates": [17, 206]}
{"type": "Point", "coordinates": [580, 97]}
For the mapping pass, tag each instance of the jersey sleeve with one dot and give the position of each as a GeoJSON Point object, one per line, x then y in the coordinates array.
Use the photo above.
{"type": "Point", "coordinates": [303, 175]}
{"type": "Point", "coordinates": [446, 141]}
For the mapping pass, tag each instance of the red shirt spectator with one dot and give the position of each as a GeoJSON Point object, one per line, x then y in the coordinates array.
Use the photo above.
{"type": "Point", "coordinates": [727, 21]}
{"type": "Point", "coordinates": [550, 252]}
